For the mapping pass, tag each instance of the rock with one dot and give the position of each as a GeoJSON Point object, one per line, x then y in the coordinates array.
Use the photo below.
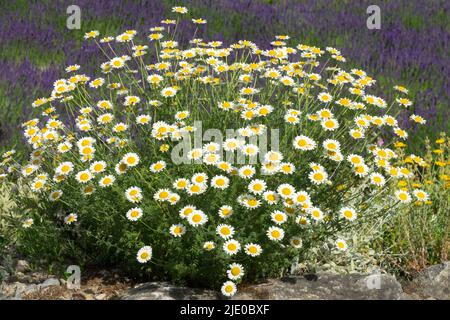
{"type": "Point", "coordinates": [49, 283]}
{"type": "Point", "coordinates": [23, 289]}
{"type": "Point", "coordinates": [101, 296]}
{"type": "Point", "coordinates": [432, 283]}
{"type": "Point", "coordinates": [322, 287]}
{"type": "Point", "coordinates": [87, 296]}
{"type": "Point", "coordinates": [22, 266]}
{"type": "Point", "coordinates": [326, 287]}
{"type": "Point", "coordinates": [167, 291]}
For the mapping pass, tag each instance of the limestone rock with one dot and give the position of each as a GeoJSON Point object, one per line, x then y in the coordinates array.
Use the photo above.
{"type": "Point", "coordinates": [432, 283]}
{"type": "Point", "coordinates": [51, 282]}
{"type": "Point", "coordinates": [22, 266]}
{"type": "Point", "coordinates": [323, 286]}
{"type": "Point", "coordinates": [167, 291]}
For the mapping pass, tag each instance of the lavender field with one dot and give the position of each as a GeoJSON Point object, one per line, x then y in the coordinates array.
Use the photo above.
{"type": "Point", "coordinates": [412, 47]}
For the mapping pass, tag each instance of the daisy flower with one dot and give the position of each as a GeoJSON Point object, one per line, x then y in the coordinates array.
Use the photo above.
{"type": "Point", "coordinates": [296, 242]}
{"type": "Point", "coordinates": [181, 183]}
{"type": "Point", "coordinates": [134, 194]}
{"type": "Point", "coordinates": [235, 271]}
{"type": "Point", "coordinates": [291, 119]}
{"type": "Point", "coordinates": [318, 177]}
{"type": "Point", "coordinates": [285, 190]}
{"type": "Point", "coordinates": [421, 195]}
{"type": "Point", "coordinates": [177, 230]}
{"type": "Point", "coordinates": [88, 190]}
{"type": "Point", "coordinates": [117, 62]}
{"type": "Point", "coordinates": [355, 159]}
{"type": "Point", "coordinates": [168, 92]}
{"type": "Point", "coordinates": [316, 214]}
{"type": "Point", "coordinates": [348, 213]}
{"type": "Point", "coordinates": [253, 249]}
{"type": "Point", "coordinates": [225, 231]}
{"type": "Point", "coordinates": [211, 158]}
{"type": "Point", "coordinates": [225, 166]}
{"type": "Point", "coordinates": [249, 150]}
{"type": "Point", "coordinates": [27, 223]}
{"type": "Point", "coordinates": [211, 147]}
{"type": "Point", "coordinates": [331, 145]}
{"type": "Point", "coordinates": [131, 159]}
{"type": "Point", "coordinates": [220, 182]}
{"type": "Point", "coordinates": [134, 214]}
{"type": "Point", "coordinates": [273, 156]}
{"type": "Point", "coordinates": [250, 202]}
{"type": "Point", "coordinates": [287, 167]}
{"type": "Point", "coordinates": [186, 211]}
{"type": "Point", "coordinates": [403, 196]}
{"type": "Point", "coordinates": [84, 176]}
{"type": "Point", "coordinates": [246, 172]}
{"type": "Point", "coordinates": [64, 147]}
{"type": "Point", "coordinates": [225, 211]}
{"type": "Point", "coordinates": [209, 245]}
{"type": "Point", "coordinates": [302, 220]}
{"type": "Point", "coordinates": [304, 143]}
{"type": "Point", "coordinates": [275, 233]}
{"type": "Point", "coordinates": [105, 118]}
{"type": "Point", "coordinates": [97, 167]}
{"type": "Point", "coordinates": [120, 127]}
{"type": "Point", "coordinates": [195, 154]}
{"type": "Point", "coordinates": [279, 217]}
{"type": "Point", "coordinates": [154, 79]}
{"type": "Point", "coordinates": [270, 197]}
{"type": "Point", "coordinates": [231, 247]}
{"type": "Point", "coordinates": [200, 178]}
{"type": "Point", "coordinates": [248, 91]}
{"type": "Point", "coordinates": [377, 179]}
{"type": "Point", "coordinates": [55, 195]}
{"type": "Point", "coordinates": [257, 186]}
{"type": "Point", "coordinates": [197, 218]}
{"type": "Point", "coordinates": [64, 168]}
{"type": "Point", "coordinates": [324, 97]}
{"type": "Point", "coordinates": [158, 166]}
{"type": "Point", "coordinates": [330, 124]}
{"type": "Point", "coordinates": [107, 181]}
{"type": "Point", "coordinates": [181, 115]}
{"type": "Point", "coordinates": [231, 144]}
{"type": "Point", "coordinates": [405, 102]}
{"type": "Point", "coordinates": [361, 170]}
{"type": "Point", "coordinates": [182, 10]}
{"type": "Point", "coordinates": [143, 119]}
{"type": "Point", "coordinates": [144, 254]}
{"type": "Point", "coordinates": [71, 218]}
{"type": "Point", "coordinates": [194, 189]}
{"type": "Point", "coordinates": [91, 34]}
{"type": "Point", "coordinates": [121, 168]}
{"type": "Point", "coordinates": [228, 289]}
{"type": "Point", "coordinates": [341, 245]}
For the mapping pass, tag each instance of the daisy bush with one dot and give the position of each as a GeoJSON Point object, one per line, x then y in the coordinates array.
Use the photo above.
{"type": "Point", "coordinates": [109, 179]}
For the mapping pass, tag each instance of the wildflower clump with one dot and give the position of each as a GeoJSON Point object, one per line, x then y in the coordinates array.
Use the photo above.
{"type": "Point", "coordinates": [116, 178]}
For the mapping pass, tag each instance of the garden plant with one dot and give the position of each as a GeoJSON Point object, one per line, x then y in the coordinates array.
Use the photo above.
{"type": "Point", "coordinates": [213, 164]}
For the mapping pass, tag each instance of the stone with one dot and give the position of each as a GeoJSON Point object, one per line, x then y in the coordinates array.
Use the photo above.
{"type": "Point", "coordinates": [326, 287]}
{"type": "Point", "coordinates": [23, 289]}
{"type": "Point", "coordinates": [431, 283]}
{"type": "Point", "coordinates": [51, 282]}
{"type": "Point", "coordinates": [22, 266]}
{"type": "Point", "coordinates": [321, 287]}
{"type": "Point", "coordinates": [167, 291]}
{"type": "Point", "coordinates": [100, 296]}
